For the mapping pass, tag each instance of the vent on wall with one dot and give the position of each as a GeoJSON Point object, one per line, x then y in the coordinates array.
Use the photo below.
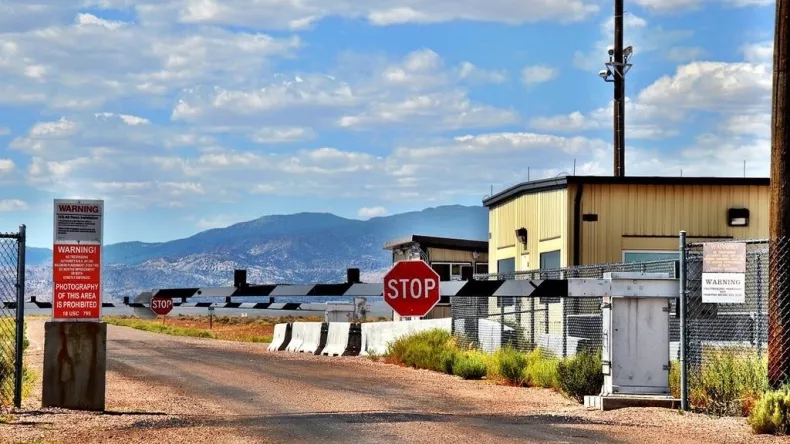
{"type": "Point", "coordinates": [738, 217]}
{"type": "Point", "coordinates": [590, 217]}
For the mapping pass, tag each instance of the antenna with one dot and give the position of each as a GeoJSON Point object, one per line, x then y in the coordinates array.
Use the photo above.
{"type": "Point", "coordinates": [574, 167]}
{"type": "Point", "coordinates": [492, 190]}
{"type": "Point", "coordinates": [744, 168]}
{"type": "Point", "coordinates": [681, 173]}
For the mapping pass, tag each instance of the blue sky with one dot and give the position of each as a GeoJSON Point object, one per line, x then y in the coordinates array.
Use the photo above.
{"type": "Point", "coordinates": [191, 114]}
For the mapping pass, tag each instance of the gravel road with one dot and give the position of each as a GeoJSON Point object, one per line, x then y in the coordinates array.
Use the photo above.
{"type": "Point", "coordinates": [170, 389]}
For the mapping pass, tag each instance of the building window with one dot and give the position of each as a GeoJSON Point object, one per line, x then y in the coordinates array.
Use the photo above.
{"type": "Point", "coordinates": [647, 255]}
{"type": "Point", "coordinates": [481, 268]}
{"type": "Point", "coordinates": [507, 267]}
{"type": "Point", "coordinates": [550, 260]}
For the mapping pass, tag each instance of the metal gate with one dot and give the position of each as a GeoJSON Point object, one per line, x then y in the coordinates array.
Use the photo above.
{"type": "Point", "coordinates": [12, 331]}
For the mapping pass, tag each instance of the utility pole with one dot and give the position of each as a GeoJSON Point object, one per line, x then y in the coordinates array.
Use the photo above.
{"type": "Point", "coordinates": [779, 252]}
{"type": "Point", "coordinates": [619, 92]}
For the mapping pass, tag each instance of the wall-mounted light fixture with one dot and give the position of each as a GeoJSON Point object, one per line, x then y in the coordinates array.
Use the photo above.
{"type": "Point", "coordinates": [521, 235]}
{"type": "Point", "coordinates": [475, 255]}
{"type": "Point", "coordinates": [738, 217]}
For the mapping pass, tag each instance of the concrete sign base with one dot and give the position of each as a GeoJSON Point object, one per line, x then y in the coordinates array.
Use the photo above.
{"type": "Point", "coordinates": [75, 362]}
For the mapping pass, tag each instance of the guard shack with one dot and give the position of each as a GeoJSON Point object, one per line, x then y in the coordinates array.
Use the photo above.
{"type": "Point", "coordinates": [635, 313]}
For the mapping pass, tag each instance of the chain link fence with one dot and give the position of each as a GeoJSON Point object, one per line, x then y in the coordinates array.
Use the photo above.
{"type": "Point", "coordinates": [11, 327]}
{"type": "Point", "coordinates": [727, 342]}
{"type": "Point", "coordinates": [559, 326]}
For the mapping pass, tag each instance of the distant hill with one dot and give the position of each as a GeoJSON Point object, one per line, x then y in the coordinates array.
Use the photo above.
{"type": "Point", "coordinates": [296, 248]}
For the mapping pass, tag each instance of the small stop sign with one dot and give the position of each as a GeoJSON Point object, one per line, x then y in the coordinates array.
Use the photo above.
{"type": "Point", "coordinates": [161, 305]}
{"type": "Point", "coordinates": [411, 288]}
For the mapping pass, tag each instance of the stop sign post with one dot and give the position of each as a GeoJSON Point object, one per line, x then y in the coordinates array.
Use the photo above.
{"type": "Point", "coordinates": [411, 288]}
{"type": "Point", "coordinates": [161, 305]}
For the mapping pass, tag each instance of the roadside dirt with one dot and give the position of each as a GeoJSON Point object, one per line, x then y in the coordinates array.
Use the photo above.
{"type": "Point", "coordinates": [173, 389]}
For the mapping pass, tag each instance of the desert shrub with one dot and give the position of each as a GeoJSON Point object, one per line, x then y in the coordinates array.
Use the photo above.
{"type": "Point", "coordinates": [580, 375]}
{"type": "Point", "coordinates": [728, 383]}
{"type": "Point", "coordinates": [541, 370]}
{"type": "Point", "coordinates": [510, 365]}
{"type": "Point", "coordinates": [470, 365]}
{"type": "Point", "coordinates": [425, 350]}
{"type": "Point", "coordinates": [674, 379]}
{"type": "Point", "coordinates": [771, 413]}
{"type": "Point", "coordinates": [448, 360]}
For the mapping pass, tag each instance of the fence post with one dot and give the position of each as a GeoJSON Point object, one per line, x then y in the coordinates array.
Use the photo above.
{"type": "Point", "coordinates": [564, 302]}
{"type": "Point", "coordinates": [684, 394]}
{"type": "Point", "coordinates": [20, 316]}
{"type": "Point", "coordinates": [759, 309]}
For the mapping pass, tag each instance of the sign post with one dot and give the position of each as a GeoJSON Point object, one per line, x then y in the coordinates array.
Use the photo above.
{"type": "Point", "coordinates": [724, 273]}
{"type": "Point", "coordinates": [411, 288]}
{"type": "Point", "coordinates": [75, 339]}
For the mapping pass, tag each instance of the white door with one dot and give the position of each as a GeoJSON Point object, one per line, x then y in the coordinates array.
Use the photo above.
{"type": "Point", "coordinates": [640, 341]}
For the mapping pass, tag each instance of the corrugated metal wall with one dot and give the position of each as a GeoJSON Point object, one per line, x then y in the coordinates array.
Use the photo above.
{"type": "Point", "coordinates": [649, 217]}
{"type": "Point", "coordinates": [545, 217]}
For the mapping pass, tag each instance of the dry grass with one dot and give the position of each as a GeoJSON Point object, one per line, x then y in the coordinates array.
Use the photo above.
{"type": "Point", "coordinates": [229, 328]}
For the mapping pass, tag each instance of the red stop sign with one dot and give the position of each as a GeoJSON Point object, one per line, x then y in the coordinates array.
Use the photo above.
{"type": "Point", "coordinates": [411, 288]}
{"type": "Point", "coordinates": [161, 305]}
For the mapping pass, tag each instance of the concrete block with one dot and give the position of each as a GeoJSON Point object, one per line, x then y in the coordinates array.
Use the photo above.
{"type": "Point", "coordinates": [75, 364]}
{"type": "Point", "coordinates": [613, 402]}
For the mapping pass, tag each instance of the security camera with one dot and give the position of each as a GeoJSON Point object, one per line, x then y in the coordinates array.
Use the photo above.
{"type": "Point", "coordinates": [628, 51]}
{"type": "Point", "coordinates": [604, 73]}
{"type": "Point", "coordinates": [610, 50]}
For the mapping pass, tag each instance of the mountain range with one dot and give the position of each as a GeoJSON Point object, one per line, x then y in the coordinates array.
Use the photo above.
{"type": "Point", "coordinates": [296, 248]}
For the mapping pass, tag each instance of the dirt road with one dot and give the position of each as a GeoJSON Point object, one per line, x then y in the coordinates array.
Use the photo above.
{"type": "Point", "coordinates": [170, 389]}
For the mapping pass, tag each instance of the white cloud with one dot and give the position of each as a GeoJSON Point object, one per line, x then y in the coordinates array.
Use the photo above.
{"type": "Point", "coordinates": [762, 52]}
{"type": "Point", "coordinates": [7, 166]}
{"type": "Point", "coordinates": [91, 61]}
{"type": "Point", "coordinates": [712, 86]}
{"type": "Point", "coordinates": [4, 131]}
{"type": "Point", "coordinates": [61, 128]}
{"type": "Point", "coordinates": [295, 14]}
{"type": "Point", "coordinates": [642, 121]}
{"type": "Point", "coordinates": [469, 72]}
{"type": "Point", "coordinates": [532, 75]}
{"type": "Point", "coordinates": [669, 6]}
{"type": "Point", "coordinates": [417, 90]}
{"type": "Point", "coordinates": [369, 212]}
{"type": "Point", "coordinates": [9, 205]}
{"type": "Point", "coordinates": [125, 118]}
{"type": "Point", "coordinates": [282, 135]}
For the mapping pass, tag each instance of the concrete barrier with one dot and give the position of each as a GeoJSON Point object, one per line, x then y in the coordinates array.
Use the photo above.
{"type": "Point", "coordinates": [280, 338]}
{"type": "Point", "coordinates": [336, 339]}
{"type": "Point", "coordinates": [311, 339]}
{"type": "Point", "coordinates": [376, 336]}
{"type": "Point", "coordinates": [297, 336]}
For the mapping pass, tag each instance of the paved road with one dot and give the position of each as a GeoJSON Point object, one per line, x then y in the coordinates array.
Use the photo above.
{"type": "Point", "coordinates": [309, 399]}
{"type": "Point", "coordinates": [233, 392]}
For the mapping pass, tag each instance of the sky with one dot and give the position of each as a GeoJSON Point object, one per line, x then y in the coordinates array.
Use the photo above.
{"type": "Point", "coordinates": [185, 115]}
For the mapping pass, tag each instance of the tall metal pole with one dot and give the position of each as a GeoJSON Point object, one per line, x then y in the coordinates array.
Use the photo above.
{"type": "Point", "coordinates": [684, 388]}
{"type": "Point", "coordinates": [778, 264]}
{"type": "Point", "coordinates": [20, 316]}
{"type": "Point", "coordinates": [619, 92]}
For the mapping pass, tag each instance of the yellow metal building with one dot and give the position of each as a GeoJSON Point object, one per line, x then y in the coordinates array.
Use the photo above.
{"type": "Point", "coordinates": [586, 220]}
